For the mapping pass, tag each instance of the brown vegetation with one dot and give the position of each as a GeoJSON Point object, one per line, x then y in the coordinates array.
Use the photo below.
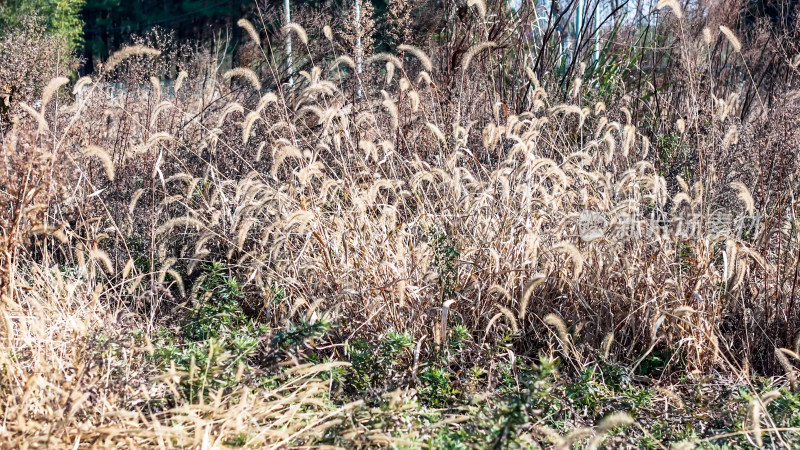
{"type": "Point", "coordinates": [446, 184]}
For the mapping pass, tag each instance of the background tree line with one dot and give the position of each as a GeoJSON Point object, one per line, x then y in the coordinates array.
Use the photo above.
{"type": "Point", "coordinates": [95, 28]}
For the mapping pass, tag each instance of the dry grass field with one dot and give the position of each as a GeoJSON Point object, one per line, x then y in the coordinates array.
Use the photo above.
{"type": "Point", "coordinates": [469, 243]}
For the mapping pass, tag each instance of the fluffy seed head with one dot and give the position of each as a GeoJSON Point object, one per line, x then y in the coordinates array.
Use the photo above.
{"type": "Point", "coordinates": [101, 154]}
{"type": "Point", "coordinates": [52, 87]}
{"type": "Point", "coordinates": [437, 132]}
{"type": "Point", "coordinates": [35, 114]}
{"type": "Point", "coordinates": [707, 36]}
{"type": "Point", "coordinates": [344, 59]}
{"type": "Point", "coordinates": [127, 52]}
{"type": "Point", "coordinates": [250, 29]}
{"type": "Point", "coordinates": [673, 5]}
{"type": "Point", "coordinates": [743, 194]}
{"type": "Point", "coordinates": [179, 81]}
{"type": "Point", "coordinates": [391, 108]}
{"type": "Point", "coordinates": [298, 30]}
{"type": "Point", "coordinates": [245, 74]}
{"type": "Point", "coordinates": [780, 355]}
{"type": "Point", "coordinates": [82, 81]}
{"type": "Point", "coordinates": [732, 39]}
{"type": "Point", "coordinates": [474, 50]}
{"type": "Point", "coordinates": [418, 53]}
{"type": "Point", "coordinates": [479, 5]}
{"type": "Point", "coordinates": [385, 57]}
{"type": "Point", "coordinates": [795, 62]}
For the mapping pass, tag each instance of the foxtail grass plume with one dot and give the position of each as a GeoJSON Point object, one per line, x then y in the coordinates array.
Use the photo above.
{"type": "Point", "coordinates": [344, 59]}
{"type": "Point", "coordinates": [156, 86]}
{"type": "Point", "coordinates": [606, 345]}
{"type": "Point", "coordinates": [474, 50]}
{"type": "Point", "coordinates": [673, 5]}
{"type": "Point", "coordinates": [795, 62]}
{"type": "Point", "coordinates": [101, 154]}
{"type": "Point", "coordinates": [707, 36]}
{"type": "Point", "coordinates": [437, 132]}
{"type": "Point", "coordinates": [680, 124]}
{"type": "Point", "coordinates": [731, 137]}
{"type": "Point", "coordinates": [743, 194]}
{"type": "Point", "coordinates": [780, 355]}
{"type": "Point", "coordinates": [480, 6]}
{"type": "Point", "coordinates": [389, 72]}
{"type": "Point", "coordinates": [134, 199]}
{"type": "Point", "coordinates": [179, 81]}
{"type": "Point", "coordinates": [97, 254]}
{"type": "Point", "coordinates": [391, 108]}
{"type": "Point", "coordinates": [385, 57]}
{"type": "Point", "coordinates": [178, 221]}
{"type": "Point", "coordinates": [510, 317]}
{"type": "Point", "coordinates": [732, 39]}
{"type": "Point", "coordinates": [574, 255]}
{"type": "Point", "coordinates": [127, 52]}
{"type": "Point", "coordinates": [413, 98]}
{"type": "Point", "coordinates": [418, 53]}
{"type": "Point", "coordinates": [250, 29]}
{"type": "Point", "coordinates": [82, 81]}
{"type": "Point", "coordinates": [36, 115]}
{"type": "Point", "coordinates": [247, 127]}
{"type": "Point", "coordinates": [561, 328]}
{"type": "Point", "coordinates": [245, 74]}
{"type": "Point", "coordinates": [527, 293]}
{"type": "Point", "coordinates": [683, 310]}
{"type": "Point", "coordinates": [424, 76]}
{"type": "Point", "coordinates": [52, 87]}
{"type": "Point", "coordinates": [298, 30]}
{"type": "Point", "coordinates": [443, 321]}
{"type": "Point", "coordinates": [566, 442]}
{"type": "Point", "coordinates": [608, 423]}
